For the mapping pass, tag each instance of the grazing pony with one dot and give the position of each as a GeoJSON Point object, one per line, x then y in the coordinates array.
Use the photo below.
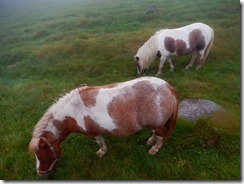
{"type": "Point", "coordinates": [195, 39]}
{"type": "Point", "coordinates": [118, 109]}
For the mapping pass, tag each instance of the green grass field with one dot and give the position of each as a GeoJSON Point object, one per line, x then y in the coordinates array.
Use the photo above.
{"type": "Point", "coordinates": [49, 47]}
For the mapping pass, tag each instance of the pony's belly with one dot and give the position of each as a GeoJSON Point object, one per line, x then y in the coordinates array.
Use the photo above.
{"type": "Point", "coordinates": [122, 132]}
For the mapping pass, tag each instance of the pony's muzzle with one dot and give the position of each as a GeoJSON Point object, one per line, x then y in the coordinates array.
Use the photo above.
{"type": "Point", "coordinates": [142, 72]}
{"type": "Point", "coordinates": [49, 171]}
{"type": "Point", "coordinates": [45, 174]}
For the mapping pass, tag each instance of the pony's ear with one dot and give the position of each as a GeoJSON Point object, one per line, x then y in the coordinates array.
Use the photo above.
{"type": "Point", "coordinates": [42, 144]}
{"type": "Point", "coordinates": [136, 58]}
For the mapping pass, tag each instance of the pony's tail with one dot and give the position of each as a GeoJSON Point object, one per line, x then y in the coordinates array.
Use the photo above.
{"type": "Point", "coordinates": [209, 46]}
{"type": "Point", "coordinates": [170, 124]}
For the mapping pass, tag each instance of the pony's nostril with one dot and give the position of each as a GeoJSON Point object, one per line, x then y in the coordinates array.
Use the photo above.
{"type": "Point", "coordinates": [143, 71]}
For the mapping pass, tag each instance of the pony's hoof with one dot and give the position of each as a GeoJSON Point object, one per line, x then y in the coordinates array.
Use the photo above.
{"type": "Point", "coordinates": [150, 142]}
{"type": "Point", "coordinates": [171, 70]}
{"type": "Point", "coordinates": [158, 74]}
{"type": "Point", "coordinates": [187, 68]}
{"type": "Point", "coordinates": [100, 153]}
{"type": "Point", "coordinates": [152, 151]}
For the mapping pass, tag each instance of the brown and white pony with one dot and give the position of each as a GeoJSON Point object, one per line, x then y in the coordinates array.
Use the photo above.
{"type": "Point", "coordinates": [118, 109]}
{"type": "Point", "coordinates": [195, 39]}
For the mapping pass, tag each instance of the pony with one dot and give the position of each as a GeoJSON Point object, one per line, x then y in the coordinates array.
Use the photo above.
{"type": "Point", "coordinates": [195, 39]}
{"type": "Point", "coordinates": [117, 109]}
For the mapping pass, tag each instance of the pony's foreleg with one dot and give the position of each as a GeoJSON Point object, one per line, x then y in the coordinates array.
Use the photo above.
{"type": "Point", "coordinates": [161, 64]}
{"type": "Point", "coordinates": [193, 59]}
{"type": "Point", "coordinates": [171, 66]}
{"type": "Point", "coordinates": [103, 148]}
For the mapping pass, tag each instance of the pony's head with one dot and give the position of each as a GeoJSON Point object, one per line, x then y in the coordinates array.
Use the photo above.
{"type": "Point", "coordinates": [45, 145]}
{"type": "Point", "coordinates": [47, 155]}
{"type": "Point", "coordinates": [141, 69]}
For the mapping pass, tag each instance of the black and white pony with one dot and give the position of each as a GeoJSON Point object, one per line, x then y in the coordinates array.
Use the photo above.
{"type": "Point", "coordinates": [195, 39]}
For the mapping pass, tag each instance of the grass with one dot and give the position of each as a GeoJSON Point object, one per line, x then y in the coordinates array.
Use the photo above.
{"type": "Point", "coordinates": [50, 47]}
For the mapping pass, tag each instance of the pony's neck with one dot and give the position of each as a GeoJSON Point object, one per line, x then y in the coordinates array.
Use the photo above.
{"type": "Point", "coordinates": [61, 129]}
{"type": "Point", "coordinates": [60, 119]}
{"type": "Point", "coordinates": [52, 129]}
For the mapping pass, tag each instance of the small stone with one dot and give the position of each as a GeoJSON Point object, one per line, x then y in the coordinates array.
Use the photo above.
{"type": "Point", "coordinates": [151, 9]}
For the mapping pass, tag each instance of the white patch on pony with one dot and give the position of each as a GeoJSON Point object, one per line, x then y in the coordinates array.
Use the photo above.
{"type": "Point", "coordinates": [156, 81]}
{"type": "Point", "coordinates": [99, 112]}
{"type": "Point", "coordinates": [37, 162]}
{"type": "Point", "coordinates": [51, 128]}
{"type": "Point", "coordinates": [69, 105]}
{"type": "Point", "coordinates": [157, 100]}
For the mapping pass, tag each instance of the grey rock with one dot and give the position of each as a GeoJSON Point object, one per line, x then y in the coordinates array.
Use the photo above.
{"type": "Point", "coordinates": [151, 9]}
{"type": "Point", "coordinates": [193, 109]}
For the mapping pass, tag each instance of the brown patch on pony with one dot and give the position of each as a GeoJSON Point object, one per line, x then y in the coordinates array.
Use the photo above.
{"type": "Point", "coordinates": [93, 129]}
{"type": "Point", "coordinates": [88, 96]}
{"type": "Point", "coordinates": [123, 112]}
{"type": "Point", "coordinates": [178, 46]}
{"type": "Point", "coordinates": [172, 89]}
{"type": "Point", "coordinates": [146, 107]}
{"type": "Point", "coordinates": [170, 124]}
{"type": "Point", "coordinates": [72, 125]}
{"type": "Point", "coordinates": [196, 40]}
{"type": "Point", "coordinates": [109, 85]}
{"type": "Point", "coordinates": [91, 125]}
{"type": "Point", "coordinates": [169, 44]}
{"type": "Point", "coordinates": [133, 109]}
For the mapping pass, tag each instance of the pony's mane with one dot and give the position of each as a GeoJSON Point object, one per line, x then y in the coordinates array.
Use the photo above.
{"type": "Point", "coordinates": [148, 51]}
{"type": "Point", "coordinates": [37, 132]}
{"type": "Point", "coordinates": [64, 100]}
{"type": "Point", "coordinates": [43, 123]}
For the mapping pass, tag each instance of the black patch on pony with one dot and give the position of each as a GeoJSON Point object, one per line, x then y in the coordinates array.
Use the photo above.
{"type": "Point", "coordinates": [159, 54]}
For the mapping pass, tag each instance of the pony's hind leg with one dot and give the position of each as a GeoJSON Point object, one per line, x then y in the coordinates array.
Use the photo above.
{"type": "Point", "coordinates": [103, 148]}
{"type": "Point", "coordinates": [152, 139]}
{"type": "Point", "coordinates": [158, 139]}
{"type": "Point", "coordinates": [195, 54]}
{"type": "Point", "coordinates": [157, 146]}
{"type": "Point", "coordinates": [201, 61]}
